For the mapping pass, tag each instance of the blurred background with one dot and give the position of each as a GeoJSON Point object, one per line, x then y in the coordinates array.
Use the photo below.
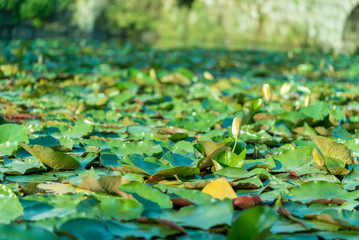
{"type": "Point", "coordinates": [320, 24]}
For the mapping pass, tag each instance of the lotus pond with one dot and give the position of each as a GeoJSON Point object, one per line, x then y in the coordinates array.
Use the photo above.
{"type": "Point", "coordinates": [102, 141]}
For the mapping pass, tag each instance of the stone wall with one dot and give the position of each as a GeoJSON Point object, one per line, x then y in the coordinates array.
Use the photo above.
{"type": "Point", "coordinates": [274, 22]}
{"type": "Point", "coordinates": [328, 24]}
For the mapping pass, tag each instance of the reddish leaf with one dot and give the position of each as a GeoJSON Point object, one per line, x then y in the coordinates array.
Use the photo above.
{"type": "Point", "coordinates": [244, 202]}
{"type": "Point", "coordinates": [327, 201]}
{"type": "Point", "coordinates": [246, 186]}
{"type": "Point", "coordinates": [293, 173]}
{"type": "Point", "coordinates": [21, 117]}
{"type": "Point", "coordinates": [284, 212]}
{"type": "Point", "coordinates": [181, 202]}
{"type": "Point", "coordinates": [172, 225]}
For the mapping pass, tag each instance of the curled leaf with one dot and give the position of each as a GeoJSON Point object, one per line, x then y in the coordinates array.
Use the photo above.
{"type": "Point", "coordinates": [55, 160]}
{"type": "Point", "coordinates": [332, 149]}
{"type": "Point", "coordinates": [111, 183]}
{"type": "Point", "coordinates": [245, 202]}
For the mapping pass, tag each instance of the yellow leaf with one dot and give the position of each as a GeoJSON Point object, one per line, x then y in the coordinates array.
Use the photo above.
{"type": "Point", "coordinates": [220, 189]}
{"type": "Point", "coordinates": [90, 183]}
{"type": "Point", "coordinates": [60, 188]}
{"type": "Point", "coordinates": [210, 147]}
{"type": "Point", "coordinates": [332, 149]}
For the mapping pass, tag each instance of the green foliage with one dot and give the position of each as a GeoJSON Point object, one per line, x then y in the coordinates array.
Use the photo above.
{"type": "Point", "coordinates": [132, 17]}
{"type": "Point", "coordinates": [35, 10]}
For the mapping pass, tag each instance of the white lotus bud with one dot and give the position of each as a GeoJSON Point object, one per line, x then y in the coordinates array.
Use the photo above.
{"type": "Point", "coordinates": [307, 100]}
{"type": "Point", "coordinates": [266, 92]}
{"type": "Point", "coordinates": [236, 126]}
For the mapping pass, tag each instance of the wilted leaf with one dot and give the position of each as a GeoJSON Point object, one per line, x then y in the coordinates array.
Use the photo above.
{"type": "Point", "coordinates": [245, 202]}
{"type": "Point", "coordinates": [332, 149]}
{"type": "Point", "coordinates": [90, 183]}
{"type": "Point", "coordinates": [60, 188]}
{"type": "Point", "coordinates": [175, 78]}
{"type": "Point", "coordinates": [55, 160]}
{"type": "Point", "coordinates": [111, 183]}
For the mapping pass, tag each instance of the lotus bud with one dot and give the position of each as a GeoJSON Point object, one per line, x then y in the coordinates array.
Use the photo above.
{"type": "Point", "coordinates": [284, 90]}
{"type": "Point", "coordinates": [266, 92]}
{"type": "Point", "coordinates": [307, 100]}
{"type": "Point", "coordinates": [208, 76]}
{"type": "Point", "coordinates": [322, 64]}
{"type": "Point", "coordinates": [318, 157]}
{"type": "Point", "coordinates": [331, 68]}
{"type": "Point", "coordinates": [152, 73]}
{"type": "Point", "coordinates": [236, 126]}
{"type": "Point", "coordinates": [40, 59]}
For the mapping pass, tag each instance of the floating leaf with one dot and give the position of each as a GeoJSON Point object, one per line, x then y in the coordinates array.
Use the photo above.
{"type": "Point", "coordinates": [332, 149]}
{"type": "Point", "coordinates": [55, 160]}
{"type": "Point", "coordinates": [220, 189]}
{"type": "Point", "coordinates": [151, 198]}
{"type": "Point", "coordinates": [23, 232]}
{"type": "Point", "coordinates": [111, 184]}
{"type": "Point", "coordinates": [10, 137]}
{"type": "Point", "coordinates": [79, 130]}
{"type": "Point", "coordinates": [317, 111]}
{"type": "Point", "coordinates": [313, 190]}
{"type": "Point", "coordinates": [90, 183]}
{"type": "Point", "coordinates": [295, 158]}
{"type": "Point", "coordinates": [205, 216]}
{"type": "Point", "coordinates": [351, 180]}
{"type": "Point", "coordinates": [10, 207]}
{"type": "Point", "coordinates": [60, 188]}
{"type": "Point", "coordinates": [86, 229]}
{"type": "Point", "coordinates": [12, 132]}
{"type": "Point", "coordinates": [24, 167]}
{"type": "Point", "coordinates": [139, 230]}
{"type": "Point", "coordinates": [121, 209]}
{"type": "Point", "coordinates": [253, 223]}
{"type": "Point", "coordinates": [230, 159]}
{"type": "Point", "coordinates": [342, 133]}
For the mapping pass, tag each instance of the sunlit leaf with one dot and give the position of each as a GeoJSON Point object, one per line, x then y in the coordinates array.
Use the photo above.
{"type": "Point", "coordinates": [253, 223]}
{"type": "Point", "coordinates": [220, 189]}
{"type": "Point", "coordinates": [10, 207]}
